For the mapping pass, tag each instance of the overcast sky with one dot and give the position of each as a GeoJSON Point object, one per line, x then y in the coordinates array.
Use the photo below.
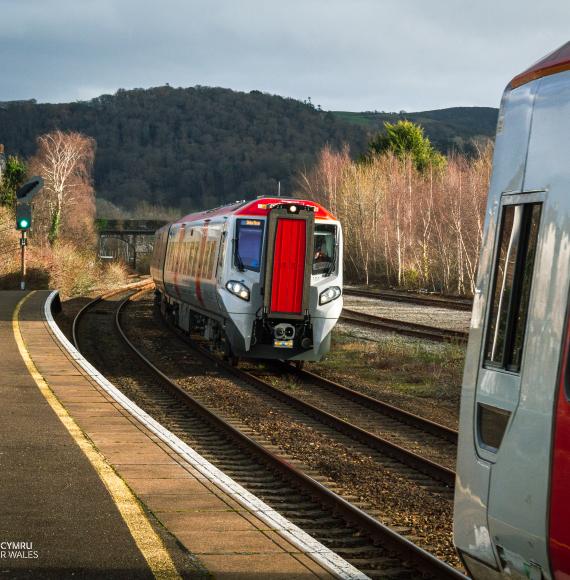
{"type": "Point", "coordinates": [345, 54]}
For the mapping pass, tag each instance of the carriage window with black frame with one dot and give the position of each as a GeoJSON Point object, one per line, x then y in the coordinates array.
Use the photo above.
{"type": "Point", "coordinates": [324, 253]}
{"type": "Point", "coordinates": [248, 244]}
{"type": "Point", "coordinates": [514, 268]}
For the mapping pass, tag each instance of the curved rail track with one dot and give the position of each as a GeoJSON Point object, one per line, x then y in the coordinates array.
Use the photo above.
{"type": "Point", "coordinates": [374, 441]}
{"type": "Point", "coordinates": [424, 425]}
{"type": "Point", "coordinates": [402, 327]}
{"type": "Point", "coordinates": [450, 302]}
{"type": "Point", "coordinates": [377, 550]}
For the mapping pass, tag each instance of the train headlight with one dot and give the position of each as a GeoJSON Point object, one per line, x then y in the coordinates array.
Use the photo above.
{"type": "Point", "coordinates": [329, 295]}
{"type": "Point", "coordinates": [238, 289]}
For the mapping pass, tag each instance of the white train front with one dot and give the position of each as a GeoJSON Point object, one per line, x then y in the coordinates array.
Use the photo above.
{"type": "Point", "coordinates": [512, 495]}
{"type": "Point", "coordinates": [260, 279]}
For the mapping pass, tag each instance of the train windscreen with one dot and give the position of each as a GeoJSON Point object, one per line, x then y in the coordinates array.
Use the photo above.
{"type": "Point", "coordinates": [249, 243]}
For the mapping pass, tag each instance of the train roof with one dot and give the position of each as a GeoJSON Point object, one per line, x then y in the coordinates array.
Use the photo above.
{"type": "Point", "coordinates": [555, 62]}
{"type": "Point", "coordinates": [257, 207]}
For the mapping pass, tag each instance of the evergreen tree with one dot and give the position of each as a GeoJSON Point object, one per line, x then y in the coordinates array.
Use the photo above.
{"type": "Point", "coordinates": [406, 139]}
{"type": "Point", "coordinates": [12, 178]}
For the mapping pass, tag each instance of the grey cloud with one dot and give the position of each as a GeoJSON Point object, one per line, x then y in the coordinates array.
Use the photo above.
{"type": "Point", "coordinates": [354, 55]}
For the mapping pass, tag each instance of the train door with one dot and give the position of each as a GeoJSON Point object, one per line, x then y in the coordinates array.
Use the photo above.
{"type": "Point", "coordinates": [288, 262]}
{"type": "Point", "coordinates": [502, 364]}
{"type": "Point", "coordinates": [498, 385]}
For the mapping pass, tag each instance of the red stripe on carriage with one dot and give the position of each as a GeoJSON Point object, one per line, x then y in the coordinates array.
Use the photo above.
{"type": "Point", "coordinates": [559, 493]}
{"type": "Point", "coordinates": [289, 266]}
{"type": "Point", "coordinates": [556, 62]}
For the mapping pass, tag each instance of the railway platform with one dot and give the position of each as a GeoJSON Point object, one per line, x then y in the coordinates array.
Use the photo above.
{"type": "Point", "coordinates": [87, 488]}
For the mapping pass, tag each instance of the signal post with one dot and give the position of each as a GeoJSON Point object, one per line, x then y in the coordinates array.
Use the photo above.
{"type": "Point", "coordinates": [24, 197]}
{"type": "Point", "coordinates": [23, 244]}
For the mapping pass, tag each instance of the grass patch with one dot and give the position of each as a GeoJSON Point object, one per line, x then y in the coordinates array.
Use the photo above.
{"type": "Point", "coordinates": [398, 365]}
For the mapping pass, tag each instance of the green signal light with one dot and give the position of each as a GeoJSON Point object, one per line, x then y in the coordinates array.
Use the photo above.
{"type": "Point", "coordinates": [24, 223]}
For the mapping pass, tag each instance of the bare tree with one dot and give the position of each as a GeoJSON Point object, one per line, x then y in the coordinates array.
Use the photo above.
{"type": "Point", "coordinates": [402, 226]}
{"type": "Point", "coordinates": [65, 161]}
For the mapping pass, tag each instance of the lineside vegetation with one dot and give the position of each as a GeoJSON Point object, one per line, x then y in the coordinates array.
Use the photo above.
{"type": "Point", "coordinates": [62, 251]}
{"type": "Point", "coordinates": [412, 218]}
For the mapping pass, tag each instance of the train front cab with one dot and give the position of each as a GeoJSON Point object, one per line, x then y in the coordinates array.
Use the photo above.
{"type": "Point", "coordinates": [295, 298]}
{"type": "Point", "coordinates": [512, 497]}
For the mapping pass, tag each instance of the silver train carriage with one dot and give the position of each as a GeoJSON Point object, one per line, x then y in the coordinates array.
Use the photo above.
{"type": "Point", "coordinates": [260, 279]}
{"type": "Point", "coordinates": [512, 495]}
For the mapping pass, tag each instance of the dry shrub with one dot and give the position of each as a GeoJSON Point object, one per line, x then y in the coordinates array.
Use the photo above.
{"type": "Point", "coordinates": [62, 250]}
{"type": "Point", "coordinates": [77, 271]}
{"type": "Point", "coordinates": [73, 271]}
{"type": "Point", "coordinates": [9, 249]}
{"type": "Point", "coordinates": [113, 275]}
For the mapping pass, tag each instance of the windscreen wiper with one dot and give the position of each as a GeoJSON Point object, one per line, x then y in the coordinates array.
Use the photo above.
{"type": "Point", "coordinates": [330, 269]}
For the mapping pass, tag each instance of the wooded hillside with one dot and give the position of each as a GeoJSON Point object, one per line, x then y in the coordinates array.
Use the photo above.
{"type": "Point", "coordinates": [456, 129]}
{"type": "Point", "coordinates": [200, 147]}
{"type": "Point", "coordinates": [195, 147]}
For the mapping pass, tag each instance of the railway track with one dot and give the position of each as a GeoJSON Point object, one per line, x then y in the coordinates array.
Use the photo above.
{"type": "Point", "coordinates": [424, 425]}
{"type": "Point", "coordinates": [293, 489]}
{"type": "Point", "coordinates": [359, 433]}
{"type": "Point", "coordinates": [402, 327]}
{"type": "Point", "coordinates": [424, 299]}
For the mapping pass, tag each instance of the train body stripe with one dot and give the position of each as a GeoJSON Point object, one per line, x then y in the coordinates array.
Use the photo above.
{"type": "Point", "coordinates": [559, 533]}
{"type": "Point", "coordinates": [556, 62]}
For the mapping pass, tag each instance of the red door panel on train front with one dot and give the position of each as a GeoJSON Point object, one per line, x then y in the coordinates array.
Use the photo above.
{"type": "Point", "coordinates": [288, 266]}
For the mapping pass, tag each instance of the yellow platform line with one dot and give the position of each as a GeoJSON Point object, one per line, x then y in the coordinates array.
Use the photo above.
{"type": "Point", "coordinates": [145, 537]}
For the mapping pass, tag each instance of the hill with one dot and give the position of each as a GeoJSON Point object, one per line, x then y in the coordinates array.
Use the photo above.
{"type": "Point", "coordinates": [199, 147]}
{"type": "Point", "coordinates": [456, 128]}
{"type": "Point", "coordinates": [186, 148]}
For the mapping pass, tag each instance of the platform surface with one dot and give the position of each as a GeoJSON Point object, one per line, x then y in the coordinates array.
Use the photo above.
{"type": "Point", "coordinates": [52, 497]}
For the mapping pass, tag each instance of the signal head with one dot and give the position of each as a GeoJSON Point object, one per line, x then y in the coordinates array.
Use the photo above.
{"type": "Point", "coordinates": [23, 216]}
{"type": "Point", "coordinates": [29, 189]}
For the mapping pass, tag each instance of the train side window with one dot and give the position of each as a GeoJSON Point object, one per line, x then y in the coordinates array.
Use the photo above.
{"type": "Point", "coordinates": [192, 259]}
{"type": "Point", "coordinates": [189, 258]}
{"type": "Point", "coordinates": [512, 284]}
{"type": "Point", "coordinates": [207, 260]}
{"type": "Point", "coordinates": [221, 253]}
{"type": "Point", "coordinates": [170, 251]}
{"type": "Point", "coordinates": [177, 246]}
{"type": "Point", "coordinates": [212, 265]}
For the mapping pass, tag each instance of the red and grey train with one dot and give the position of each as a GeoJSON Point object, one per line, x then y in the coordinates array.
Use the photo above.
{"type": "Point", "coordinates": [260, 279]}
{"type": "Point", "coordinates": [512, 495]}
